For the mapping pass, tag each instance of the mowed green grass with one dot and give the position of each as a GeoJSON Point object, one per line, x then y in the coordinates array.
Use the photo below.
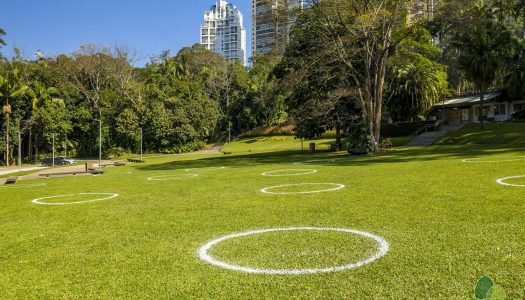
{"type": "Point", "coordinates": [447, 223]}
{"type": "Point", "coordinates": [494, 133]}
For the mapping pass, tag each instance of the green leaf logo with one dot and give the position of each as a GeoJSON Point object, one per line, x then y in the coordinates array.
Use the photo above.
{"type": "Point", "coordinates": [487, 290]}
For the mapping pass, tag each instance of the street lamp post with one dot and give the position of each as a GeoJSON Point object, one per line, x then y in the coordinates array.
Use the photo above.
{"type": "Point", "coordinates": [443, 129]}
{"type": "Point", "coordinates": [141, 139]}
{"type": "Point", "coordinates": [99, 143]}
{"type": "Point", "coordinates": [19, 150]}
{"type": "Point", "coordinates": [53, 148]}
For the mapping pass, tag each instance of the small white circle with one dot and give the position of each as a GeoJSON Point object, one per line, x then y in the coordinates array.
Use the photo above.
{"type": "Point", "coordinates": [22, 186]}
{"type": "Point", "coordinates": [479, 160]}
{"type": "Point", "coordinates": [204, 169]}
{"type": "Point", "coordinates": [108, 196]}
{"type": "Point", "coordinates": [289, 172]}
{"type": "Point", "coordinates": [337, 186]}
{"type": "Point", "coordinates": [382, 250]}
{"type": "Point", "coordinates": [502, 181]}
{"type": "Point", "coordinates": [315, 161]}
{"type": "Point", "coordinates": [172, 177]}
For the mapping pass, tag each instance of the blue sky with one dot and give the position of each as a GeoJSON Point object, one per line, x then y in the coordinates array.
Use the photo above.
{"type": "Point", "coordinates": [145, 26]}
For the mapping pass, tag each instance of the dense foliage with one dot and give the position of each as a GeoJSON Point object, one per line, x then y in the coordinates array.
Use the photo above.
{"type": "Point", "coordinates": [348, 66]}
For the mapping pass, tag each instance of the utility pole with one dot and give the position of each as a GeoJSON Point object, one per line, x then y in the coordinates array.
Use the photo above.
{"type": "Point", "coordinates": [7, 111]}
{"type": "Point", "coordinates": [19, 149]}
{"type": "Point", "coordinates": [141, 144]}
{"type": "Point", "coordinates": [99, 142]}
{"type": "Point", "coordinates": [65, 147]}
{"type": "Point", "coordinates": [53, 148]}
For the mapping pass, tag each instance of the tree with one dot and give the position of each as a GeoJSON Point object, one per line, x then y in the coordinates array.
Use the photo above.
{"type": "Point", "coordinates": [2, 42]}
{"type": "Point", "coordinates": [484, 47]}
{"type": "Point", "coordinates": [415, 78]}
{"type": "Point", "coordinates": [11, 87]}
{"type": "Point", "coordinates": [359, 35]}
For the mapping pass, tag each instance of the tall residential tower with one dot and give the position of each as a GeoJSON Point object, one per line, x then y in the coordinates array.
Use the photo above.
{"type": "Point", "coordinates": [271, 22]}
{"type": "Point", "coordinates": [223, 31]}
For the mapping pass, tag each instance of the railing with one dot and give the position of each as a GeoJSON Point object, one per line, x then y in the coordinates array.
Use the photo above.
{"type": "Point", "coordinates": [426, 127]}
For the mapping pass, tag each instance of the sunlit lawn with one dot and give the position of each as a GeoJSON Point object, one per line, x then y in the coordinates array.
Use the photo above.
{"type": "Point", "coordinates": [446, 222]}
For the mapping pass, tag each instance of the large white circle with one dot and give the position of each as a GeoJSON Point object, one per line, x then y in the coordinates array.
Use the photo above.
{"type": "Point", "coordinates": [108, 196]}
{"type": "Point", "coordinates": [22, 186]}
{"type": "Point", "coordinates": [502, 181]}
{"type": "Point", "coordinates": [338, 186]}
{"type": "Point", "coordinates": [315, 161]}
{"type": "Point", "coordinates": [479, 160]}
{"type": "Point", "coordinates": [382, 250]}
{"type": "Point", "coordinates": [172, 177]}
{"type": "Point", "coordinates": [298, 172]}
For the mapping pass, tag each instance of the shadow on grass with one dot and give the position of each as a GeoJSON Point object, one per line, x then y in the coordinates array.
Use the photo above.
{"type": "Point", "coordinates": [401, 155]}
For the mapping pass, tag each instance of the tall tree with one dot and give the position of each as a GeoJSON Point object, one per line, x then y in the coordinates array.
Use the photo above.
{"type": "Point", "coordinates": [360, 34]}
{"type": "Point", "coordinates": [484, 46]}
{"type": "Point", "coordinates": [2, 42]}
{"type": "Point", "coordinates": [11, 88]}
{"type": "Point", "coordinates": [415, 78]}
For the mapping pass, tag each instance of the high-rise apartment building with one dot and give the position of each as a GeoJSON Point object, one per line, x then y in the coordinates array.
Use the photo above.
{"type": "Point", "coordinates": [424, 9]}
{"type": "Point", "coordinates": [271, 23]}
{"type": "Point", "coordinates": [223, 31]}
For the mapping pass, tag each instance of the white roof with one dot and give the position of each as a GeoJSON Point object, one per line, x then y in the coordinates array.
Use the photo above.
{"type": "Point", "coordinates": [467, 101]}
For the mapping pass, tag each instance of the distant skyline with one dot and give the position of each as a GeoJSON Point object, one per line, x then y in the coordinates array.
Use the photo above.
{"type": "Point", "coordinates": [149, 28]}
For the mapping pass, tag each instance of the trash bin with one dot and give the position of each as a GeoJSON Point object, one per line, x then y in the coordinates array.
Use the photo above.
{"type": "Point", "coordinates": [312, 147]}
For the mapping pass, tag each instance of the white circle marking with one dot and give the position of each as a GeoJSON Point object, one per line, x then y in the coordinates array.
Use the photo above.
{"type": "Point", "coordinates": [338, 186]}
{"type": "Point", "coordinates": [277, 173]}
{"type": "Point", "coordinates": [382, 249]}
{"type": "Point", "coordinates": [109, 196]}
{"type": "Point", "coordinates": [502, 181]}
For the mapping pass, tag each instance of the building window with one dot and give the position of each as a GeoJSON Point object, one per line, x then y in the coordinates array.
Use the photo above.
{"type": "Point", "coordinates": [519, 107]}
{"type": "Point", "coordinates": [499, 110]}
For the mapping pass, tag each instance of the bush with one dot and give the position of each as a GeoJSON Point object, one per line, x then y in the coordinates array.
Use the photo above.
{"type": "Point", "coordinates": [283, 129]}
{"type": "Point", "coordinates": [116, 152]}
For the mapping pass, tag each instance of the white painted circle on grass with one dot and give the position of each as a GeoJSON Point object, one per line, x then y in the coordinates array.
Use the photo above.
{"type": "Point", "coordinates": [382, 249]}
{"type": "Point", "coordinates": [502, 181]}
{"type": "Point", "coordinates": [315, 161]}
{"type": "Point", "coordinates": [172, 177]}
{"type": "Point", "coordinates": [480, 160]}
{"type": "Point", "coordinates": [20, 186]}
{"type": "Point", "coordinates": [106, 196]}
{"type": "Point", "coordinates": [204, 169]}
{"type": "Point", "coordinates": [289, 172]}
{"type": "Point", "coordinates": [335, 187]}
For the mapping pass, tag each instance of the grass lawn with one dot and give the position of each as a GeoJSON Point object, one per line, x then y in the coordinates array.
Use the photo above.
{"type": "Point", "coordinates": [275, 143]}
{"type": "Point", "coordinates": [494, 133]}
{"type": "Point", "coordinates": [446, 223]}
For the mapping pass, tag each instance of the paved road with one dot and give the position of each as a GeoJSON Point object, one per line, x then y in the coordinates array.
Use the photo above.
{"type": "Point", "coordinates": [11, 170]}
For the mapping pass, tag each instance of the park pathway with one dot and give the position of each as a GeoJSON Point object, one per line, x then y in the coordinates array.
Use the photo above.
{"type": "Point", "coordinates": [428, 138]}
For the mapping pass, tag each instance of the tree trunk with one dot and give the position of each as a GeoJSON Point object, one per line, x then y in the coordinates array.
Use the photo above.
{"type": "Point", "coordinates": [481, 108]}
{"type": "Point", "coordinates": [338, 137]}
{"type": "Point", "coordinates": [7, 139]}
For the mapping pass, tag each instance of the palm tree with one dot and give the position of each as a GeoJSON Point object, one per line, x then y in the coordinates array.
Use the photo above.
{"type": "Point", "coordinates": [2, 33]}
{"type": "Point", "coordinates": [39, 95]}
{"type": "Point", "coordinates": [483, 46]}
{"type": "Point", "coordinates": [415, 87]}
{"type": "Point", "coordinates": [10, 88]}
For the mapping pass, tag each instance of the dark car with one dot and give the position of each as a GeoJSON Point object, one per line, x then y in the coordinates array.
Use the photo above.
{"type": "Point", "coordinates": [59, 161]}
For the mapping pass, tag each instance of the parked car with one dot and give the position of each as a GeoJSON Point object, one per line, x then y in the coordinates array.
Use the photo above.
{"type": "Point", "coordinates": [59, 161]}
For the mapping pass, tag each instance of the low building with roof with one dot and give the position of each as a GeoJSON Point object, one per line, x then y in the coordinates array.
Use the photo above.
{"type": "Point", "coordinates": [466, 109]}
